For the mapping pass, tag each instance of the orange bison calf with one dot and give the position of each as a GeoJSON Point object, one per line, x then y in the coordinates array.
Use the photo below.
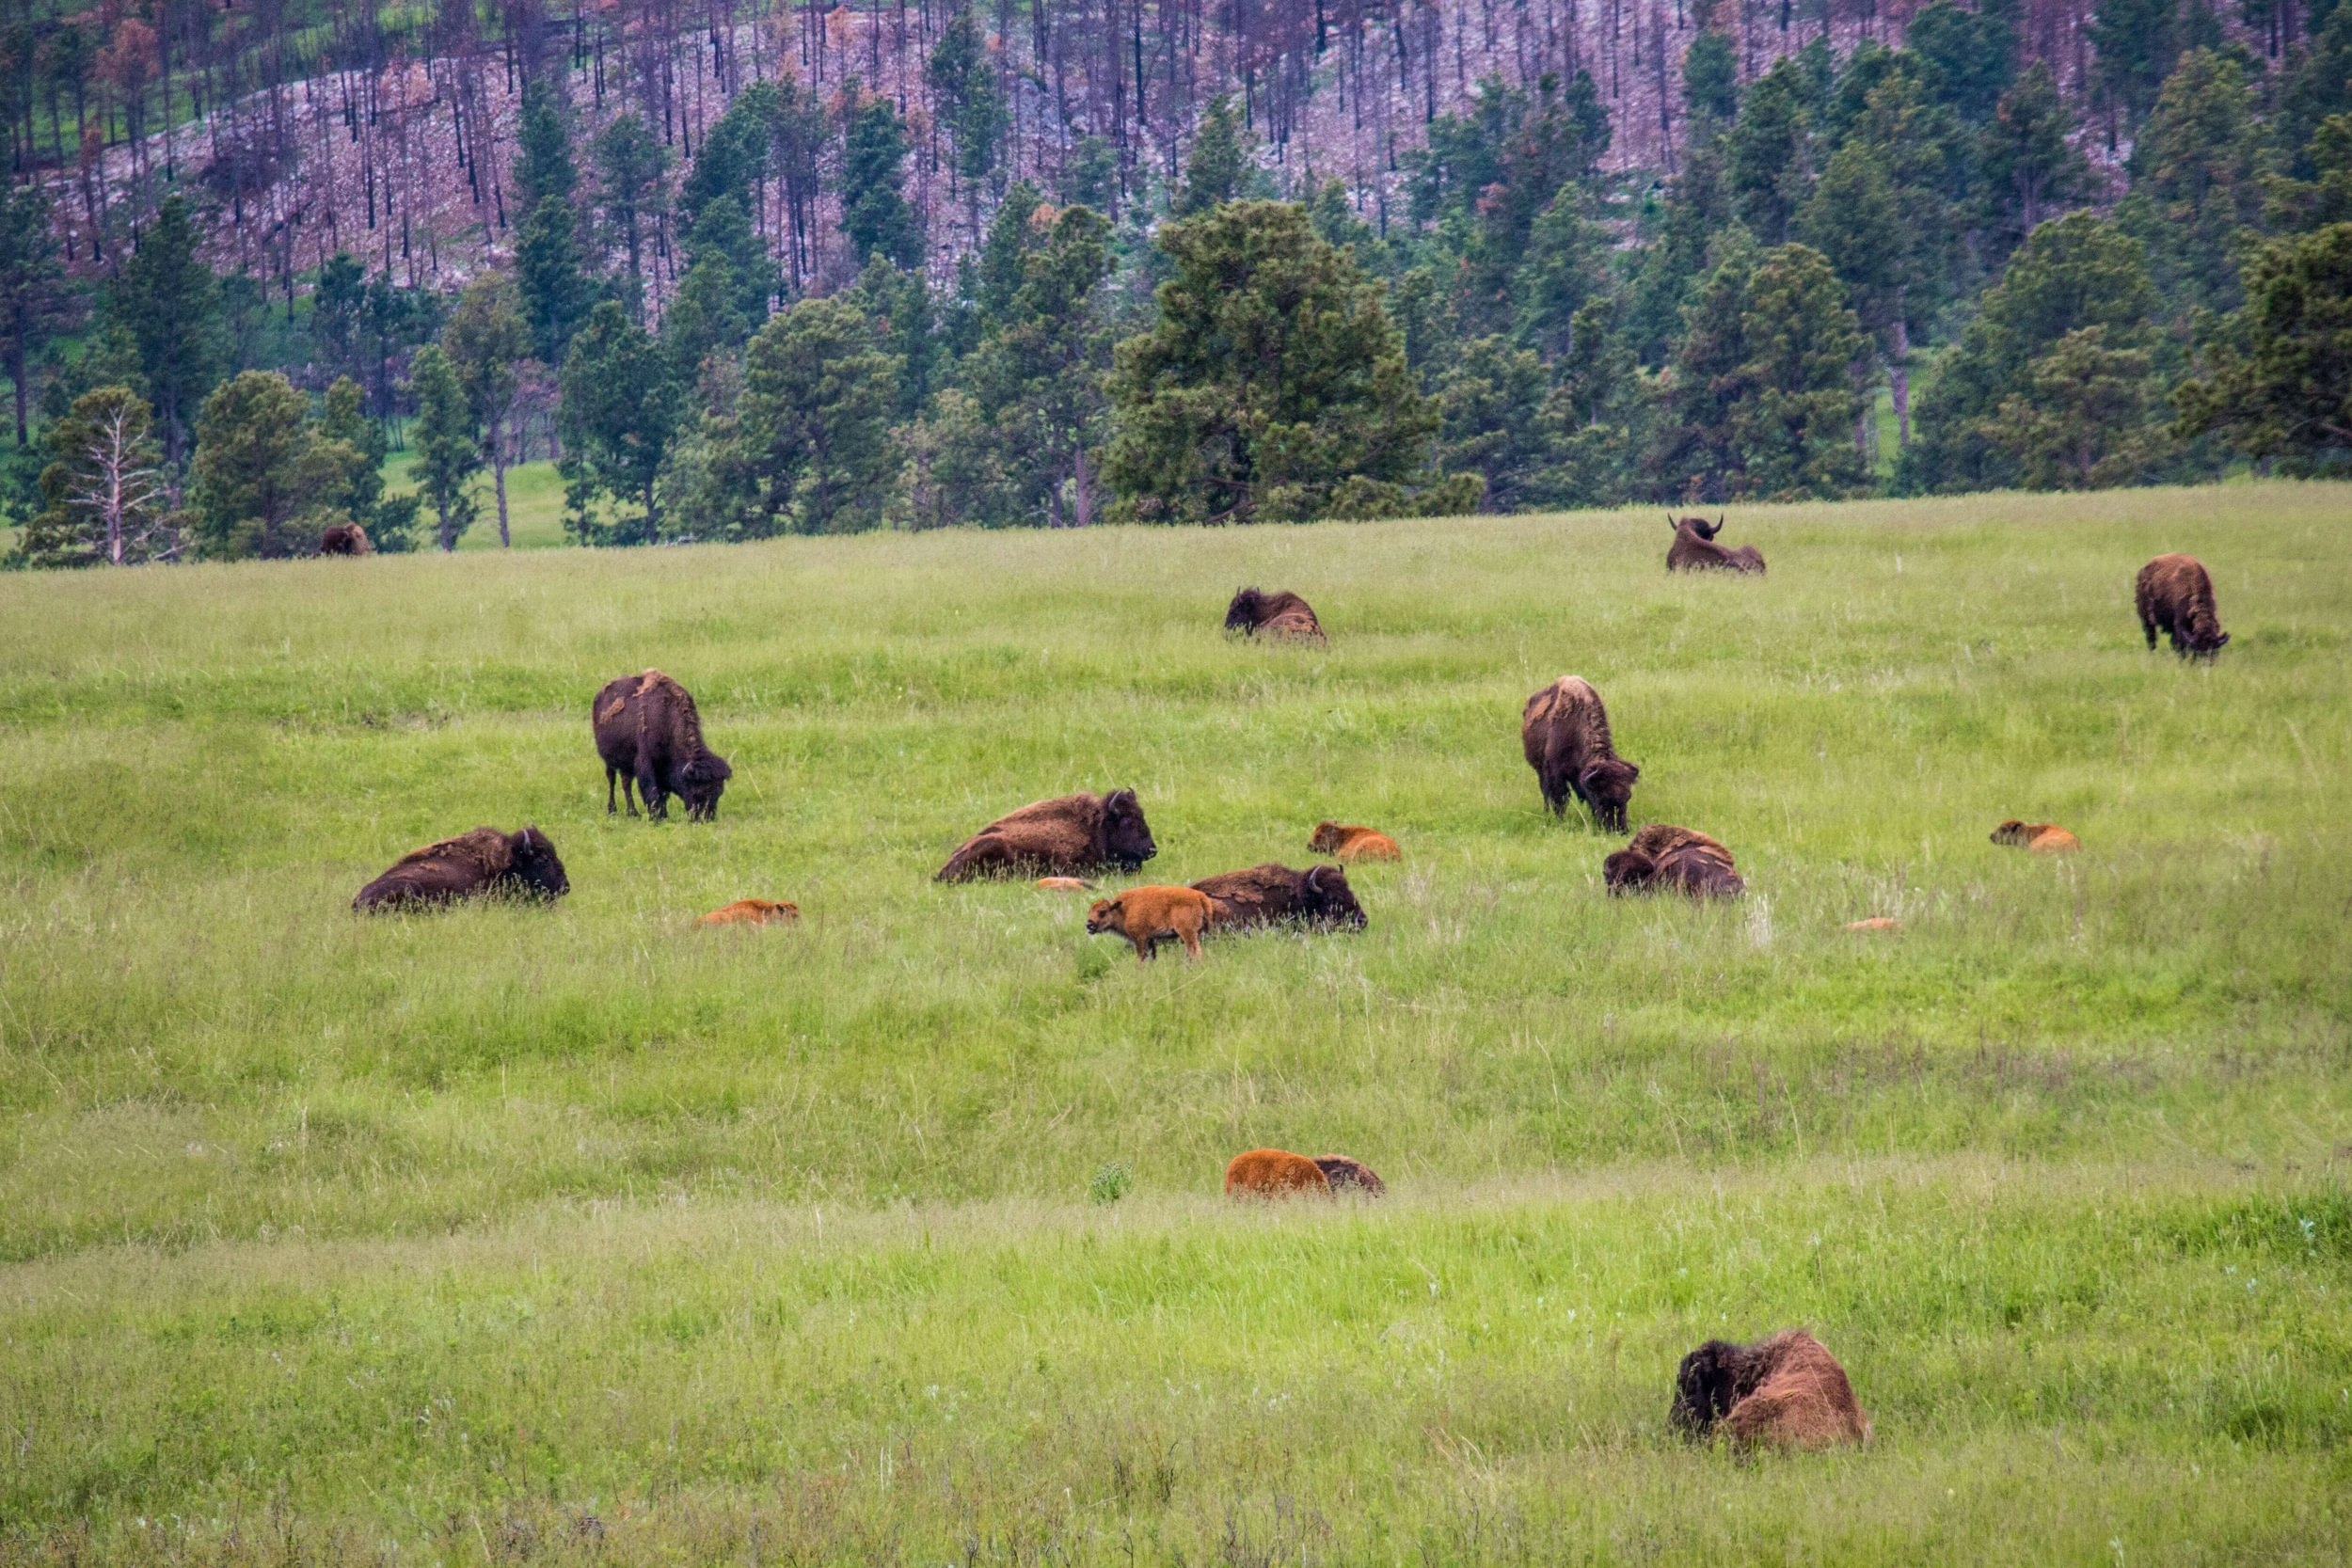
{"type": "Point", "coordinates": [1352, 844]}
{"type": "Point", "coordinates": [752, 911]}
{"type": "Point", "coordinates": [1663, 858]}
{"type": "Point", "coordinates": [1563, 732]}
{"type": "Point", "coordinates": [1147, 916]}
{"type": "Point", "coordinates": [1350, 1176]}
{"type": "Point", "coordinates": [1283, 615]}
{"type": "Point", "coordinates": [483, 863]}
{"type": "Point", "coordinates": [1271, 895]}
{"type": "Point", "coordinates": [1695, 549]}
{"type": "Point", "coordinates": [2041, 838]}
{"type": "Point", "coordinates": [1066, 836]}
{"type": "Point", "coordinates": [1274, 1173]}
{"type": "Point", "coordinates": [2175, 594]}
{"type": "Point", "coordinates": [650, 736]}
{"type": "Point", "coordinates": [1787, 1390]}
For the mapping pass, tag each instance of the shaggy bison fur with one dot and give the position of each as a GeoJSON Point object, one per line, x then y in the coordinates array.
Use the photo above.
{"type": "Point", "coordinates": [345, 539]}
{"type": "Point", "coordinates": [1667, 859]}
{"type": "Point", "coordinates": [2175, 596]}
{"type": "Point", "coordinates": [1274, 1173]}
{"type": "Point", "coordinates": [752, 911]}
{"type": "Point", "coordinates": [1147, 916]}
{"type": "Point", "coordinates": [1350, 1176]}
{"type": "Point", "coordinates": [1564, 732]}
{"type": "Point", "coordinates": [1283, 615]}
{"type": "Point", "coordinates": [2041, 838]}
{"type": "Point", "coordinates": [483, 863]}
{"type": "Point", "coordinates": [1066, 836]}
{"type": "Point", "coordinates": [1351, 844]}
{"type": "Point", "coordinates": [1270, 895]}
{"type": "Point", "coordinates": [650, 736]}
{"type": "Point", "coordinates": [1787, 1390]}
{"type": "Point", "coordinates": [1695, 549]}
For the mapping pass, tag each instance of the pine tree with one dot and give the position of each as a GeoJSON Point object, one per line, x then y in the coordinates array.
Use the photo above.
{"type": "Point", "coordinates": [1490, 419]}
{"type": "Point", "coordinates": [486, 340]}
{"type": "Point", "coordinates": [338, 313]}
{"type": "Point", "coordinates": [168, 301]}
{"type": "Point", "coordinates": [34, 302]}
{"type": "Point", "coordinates": [444, 438]}
{"type": "Point", "coordinates": [970, 104]}
{"type": "Point", "coordinates": [1697, 212]}
{"type": "Point", "coordinates": [816, 451]}
{"type": "Point", "coordinates": [1218, 168]}
{"type": "Point", "coordinates": [622, 411]}
{"type": "Point", "coordinates": [630, 166]}
{"type": "Point", "coordinates": [874, 212]}
{"type": "Point", "coordinates": [2031, 169]}
{"type": "Point", "coordinates": [103, 497]}
{"type": "Point", "coordinates": [543, 163]}
{"type": "Point", "coordinates": [1767, 154]}
{"type": "Point", "coordinates": [265, 477]}
{"type": "Point", "coordinates": [554, 288]}
{"type": "Point", "coordinates": [733, 158]}
{"type": "Point", "coordinates": [357, 492]}
{"type": "Point", "coordinates": [2196, 191]}
{"type": "Point", "coordinates": [2079, 417]}
{"type": "Point", "coordinates": [1711, 86]}
{"type": "Point", "coordinates": [2278, 383]}
{"type": "Point", "coordinates": [1038, 375]}
{"type": "Point", "coordinates": [723, 231]}
{"type": "Point", "coordinates": [1792, 416]}
{"type": "Point", "coordinates": [1966, 58]}
{"type": "Point", "coordinates": [899, 304]}
{"type": "Point", "coordinates": [1593, 417]}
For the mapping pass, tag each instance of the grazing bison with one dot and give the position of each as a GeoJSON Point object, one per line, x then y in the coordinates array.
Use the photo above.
{"type": "Point", "coordinates": [2175, 596]}
{"type": "Point", "coordinates": [1350, 1176]}
{"type": "Point", "coordinates": [1269, 895]}
{"type": "Point", "coordinates": [1066, 836]}
{"type": "Point", "coordinates": [1351, 844]}
{"type": "Point", "coordinates": [752, 911]}
{"type": "Point", "coordinates": [1695, 549]}
{"type": "Point", "coordinates": [345, 539]}
{"type": "Point", "coordinates": [1283, 615]}
{"type": "Point", "coordinates": [1564, 730]}
{"type": "Point", "coordinates": [1147, 916]}
{"type": "Point", "coordinates": [1662, 858]}
{"type": "Point", "coordinates": [483, 863]}
{"type": "Point", "coordinates": [2041, 838]}
{"type": "Point", "coordinates": [1787, 1390]}
{"type": "Point", "coordinates": [650, 736]}
{"type": "Point", "coordinates": [1274, 1173]}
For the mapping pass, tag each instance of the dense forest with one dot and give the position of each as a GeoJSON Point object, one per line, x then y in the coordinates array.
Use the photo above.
{"type": "Point", "coordinates": [743, 269]}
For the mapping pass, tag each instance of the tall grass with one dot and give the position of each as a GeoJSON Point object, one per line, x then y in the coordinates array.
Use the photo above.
{"type": "Point", "coordinates": [421, 1230]}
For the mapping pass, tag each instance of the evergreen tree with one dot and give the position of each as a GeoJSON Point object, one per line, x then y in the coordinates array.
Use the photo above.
{"type": "Point", "coordinates": [621, 413]}
{"type": "Point", "coordinates": [1711, 85]}
{"type": "Point", "coordinates": [444, 436]}
{"type": "Point", "coordinates": [733, 158]}
{"type": "Point", "coordinates": [723, 231]}
{"type": "Point", "coordinates": [265, 477]}
{"type": "Point", "coordinates": [555, 289]}
{"type": "Point", "coordinates": [2293, 206]}
{"type": "Point", "coordinates": [2031, 169]}
{"type": "Point", "coordinates": [339, 314]}
{"type": "Point", "coordinates": [33, 297]}
{"type": "Point", "coordinates": [874, 213]}
{"type": "Point", "coordinates": [630, 166]}
{"type": "Point", "coordinates": [1091, 177]}
{"type": "Point", "coordinates": [954, 471]}
{"type": "Point", "coordinates": [103, 497]}
{"type": "Point", "coordinates": [2079, 417]}
{"type": "Point", "coordinates": [1272, 378]}
{"type": "Point", "coordinates": [2278, 383]}
{"type": "Point", "coordinates": [1593, 417]}
{"type": "Point", "coordinates": [1038, 375]}
{"type": "Point", "coordinates": [970, 104]}
{"type": "Point", "coordinates": [486, 340]}
{"type": "Point", "coordinates": [393, 319]}
{"type": "Point", "coordinates": [899, 304]}
{"type": "Point", "coordinates": [357, 493]}
{"type": "Point", "coordinates": [704, 317]}
{"type": "Point", "coordinates": [1697, 211]}
{"type": "Point", "coordinates": [1966, 58]}
{"type": "Point", "coordinates": [2197, 192]}
{"type": "Point", "coordinates": [1490, 423]}
{"type": "Point", "coordinates": [1218, 168]}
{"type": "Point", "coordinates": [543, 155]}
{"type": "Point", "coordinates": [1793, 415]}
{"type": "Point", "coordinates": [1767, 154]}
{"type": "Point", "coordinates": [168, 301]}
{"type": "Point", "coordinates": [815, 450]}
{"type": "Point", "coordinates": [2137, 42]}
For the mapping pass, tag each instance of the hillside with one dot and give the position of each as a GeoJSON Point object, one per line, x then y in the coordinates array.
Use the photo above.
{"type": "Point", "coordinates": [578, 1233]}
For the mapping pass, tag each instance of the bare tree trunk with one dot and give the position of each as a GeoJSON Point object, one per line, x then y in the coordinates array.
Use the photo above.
{"type": "Point", "coordinates": [1899, 378]}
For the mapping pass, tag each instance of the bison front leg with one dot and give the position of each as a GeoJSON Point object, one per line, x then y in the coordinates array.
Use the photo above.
{"type": "Point", "coordinates": [1145, 948]}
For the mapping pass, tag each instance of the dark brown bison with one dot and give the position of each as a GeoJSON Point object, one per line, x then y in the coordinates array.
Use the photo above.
{"type": "Point", "coordinates": [1270, 1173]}
{"type": "Point", "coordinates": [1787, 1390]}
{"type": "Point", "coordinates": [1351, 1175]}
{"type": "Point", "coordinates": [1283, 615]}
{"type": "Point", "coordinates": [1564, 730]}
{"type": "Point", "coordinates": [1695, 549]}
{"type": "Point", "coordinates": [483, 863]}
{"type": "Point", "coordinates": [1665, 859]}
{"type": "Point", "coordinates": [2175, 596]}
{"type": "Point", "coordinates": [345, 539]}
{"type": "Point", "coordinates": [1066, 836]}
{"type": "Point", "coordinates": [650, 736]}
{"type": "Point", "coordinates": [1269, 895]}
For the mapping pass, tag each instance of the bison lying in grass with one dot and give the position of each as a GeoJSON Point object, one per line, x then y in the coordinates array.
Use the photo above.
{"type": "Point", "coordinates": [752, 911]}
{"type": "Point", "coordinates": [1563, 732]}
{"type": "Point", "coordinates": [1351, 844]}
{"type": "Point", "coordinates": [2039, 838]}
{"type": "Point", "coordinates": [1283, 615]}
{"type": "Point", "coordinates": [483, 863]}
{"type": "Point", "coordinates": [1663, 858]}
{"type": "Point", "coordinates": [650, 736]}
{"type": "Point", "coordinates": [1271, 895]}
{"type": "Point", "coordinates": [2174, 593]}
{"type": "Point", "coordinates": [1067, 837]}
{"type": "Point", "coordinates": [1695, 549]}
{"type": "Point", "coordinates": [1274, 1173]}
{"type": "Point", "coordinates": [1787, 1390]}
{"type": "Point", "coordinates": [1350, 1176]}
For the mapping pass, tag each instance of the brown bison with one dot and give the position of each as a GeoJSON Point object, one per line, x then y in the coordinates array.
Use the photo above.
{"type": "Point", "coordinates": [650, 736]}
{"type": "Point", "coordinates": [1149, 916]}
{"type": "Point", "coordinates": [1564, 730]}
{"type": "Point", "coordinates": [752, 911]}
{"type": "Point", "coordinates": [1695, 549]}
{"type": "Point", "coordinates": [1351, 844]}
{"type": "Point", "coordinates": [483, 863]}
{"type": "Point", "coordinates": [1283, 615]}
{"type": "Point", "coordinates": [1787, 1390]}
{"type": "Point", "coordinates": [1350, 1176]}
{"type": "Point", "coordinates": [1274, 1173]}
{"type": "Point", "coordinates": [1270, 895]}
{"type": "Point", "coordinates": [1066, 836]}
{"type": "Point", "coordinates": [2175, 596]}
{"type": "Point", "coordinates": [2039, 838]}
{"type": "Point", "coordinates": [345, 539]}
{"type": "Point", "coordinates": [1663, 859]}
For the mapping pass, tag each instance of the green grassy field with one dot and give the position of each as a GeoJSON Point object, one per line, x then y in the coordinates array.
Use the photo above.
{"type": "Point", "coordinates": [579, 1234]}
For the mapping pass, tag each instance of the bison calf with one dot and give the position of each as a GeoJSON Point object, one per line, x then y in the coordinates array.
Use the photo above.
{"type": "Point", "coordinates": [2041, 838]}
{"type": "Point", "coordinates": [1663, 858]}
{"type": "Point", "coordinates": [1283, 615]}
{"type": "Point", "coordinates": [650, 736]}
{"type": "Point", "coordinates": [482, 863]}
{"type": "Point", "coordinates": [752, 911]}
{"type": "Point", "coordinates": [1147, 916]}
{"type": "Point", "coordinates": [2174, 593]}
{"type": "Point", "coordinates": [1274, 1173]}
{"type": "Point", "coordinates": [1564, 731]}
{"type": "Point", "coordinates": [1351, 844]}
{"type": "Point", "coordinates": [1695, 549]}
{"type": "Point", "coordinates": [1350, 1176]}
{"type": "Point", "coordinates": [1270, 895]}
{"type": "Point", "coordinates": [1787, 1390]}
{"type": "Point", "coordinates": [1066, 836]}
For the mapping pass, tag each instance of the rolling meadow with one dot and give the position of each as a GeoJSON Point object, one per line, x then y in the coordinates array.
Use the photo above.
{"type": "Point", "coordinates": [517, 1234]}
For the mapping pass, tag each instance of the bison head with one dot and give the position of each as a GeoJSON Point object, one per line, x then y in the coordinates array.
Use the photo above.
{"type": "Point", "coordinates": [1629, 871]}
{"type": "Point", "coordinates": [1126, 838]}
{"type": "Point", "coordinates": [700, 784]}
{"type": "Point", "coordinates": [2206, 637]}
{"type": "Point", "coordinates": [1705, 1387]}
{"type": "Point", "coordinates": [1326, 898]}
{"type": "Point", "coordinates": [1103, 917]}
{"type": "Point", "coordinates": [2011, 832]}
{"type": "Point", "coordinates": [1325, 839]}
{"type": "Point", "coordinates": [535, 865]}
{"type": "Point", "coordinates": [1608, 785]}
{"type": "Point", "coordinates": [1246, 612]}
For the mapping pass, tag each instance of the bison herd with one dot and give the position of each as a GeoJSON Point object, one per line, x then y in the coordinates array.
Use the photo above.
{"type": "Point", "coordinates": [1786, 1389]}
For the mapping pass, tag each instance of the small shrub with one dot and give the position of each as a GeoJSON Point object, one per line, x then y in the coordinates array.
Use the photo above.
{"type": "Point", "coordinates": [1110, 1183]}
